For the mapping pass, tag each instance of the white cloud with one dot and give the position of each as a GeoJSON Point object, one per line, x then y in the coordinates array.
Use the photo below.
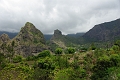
{"type": "Point", "coordinates": [70, 16]}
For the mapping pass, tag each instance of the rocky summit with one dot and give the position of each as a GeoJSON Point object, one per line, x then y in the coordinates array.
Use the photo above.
{"type": "Point", "coordinates": [29, 40]}
{"type": "Point", "coordinates": [4, 38]}
{"type": "Point", "coordinates": [60, 40]}
{"type": "Point", "coordinates": [57, 34]}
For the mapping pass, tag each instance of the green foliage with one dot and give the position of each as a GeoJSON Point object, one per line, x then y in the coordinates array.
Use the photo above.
{"type": "Point", "coordinates": [70, 50]}
{"type": "Point", "coordinates": [30, 58]}
{"type": "Point", "coordinates": [41, 74]}
{"type": "Point", "coordinates": [114, 73]}
{"type": "Point", "coordinates": [70, 74]}
{"type": "Point", "coordinates": [62, 62]}
{"type": "Point", "coordinates": [58, 51]}
{"type": "Point", "coordinates": [92, 47]}
{"type": "Point", "coordinates": [101, 69]}
{"type": "Point", "coordinates": [17, 59]}
{"type": "Point", "coordinates": [117, 43]}
{"type": "Point", "coordinates": [2, 57]}
{"type": "Point", "coordinates": [13, 43]}
{"type": "Point", "coordinates": [2, 61]}
{"type": "Point", "coordinates": [115, 59]}
{"type": "Point", "coordinates": [83, 49]}
{"type": "Point", "coordinates": [115, 48]}
{"type": "Point", "coordinates": [46, 63]}
{"type": "Point", "coordinates": [44, 53]}
{"type": "Point", "coordinates": [96, 64]}
{"type": "Point", "coordinates": [13, 72]}
{"type": "Point", "coordinates": [43, 69]}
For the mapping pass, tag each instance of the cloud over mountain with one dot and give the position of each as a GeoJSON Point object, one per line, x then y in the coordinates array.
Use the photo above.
{"type": "Point", "coordinates": [70, 16]}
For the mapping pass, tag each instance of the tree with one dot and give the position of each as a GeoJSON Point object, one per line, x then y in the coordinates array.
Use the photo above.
{"type": "Point", "coordinates": [92, 47]}
{"type": "Point", "coordinates": [3, 46]}
{"type": "Point", "coordinates": [13, 43]}
{"type": "Point", "coordinates": [44, 53]}
{"type": "Point", "coordinates": [2, 61]}
{"type": "Point", "coordinates": [58, 51]}
{"type": "Point", "coordinates": [17, 59]}
{"type": "Point", "coordinates": [70, 50]}
{"type": "Point", "coordinates": [43, 69]}
{"type": "Point", "coordinates": [46, 63]}
{"type": "Point", "coordinates": [117, 43]}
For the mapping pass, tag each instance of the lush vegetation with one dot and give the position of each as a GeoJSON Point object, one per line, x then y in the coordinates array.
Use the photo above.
{"type": "Point", "coordinates": [72, 63]}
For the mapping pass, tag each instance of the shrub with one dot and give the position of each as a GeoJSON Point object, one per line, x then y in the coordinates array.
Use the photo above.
{"type": "Point", "coordinates": [46, 63]}
{"type": "Point", "coordinates": [58, 51]}
{"type": "Point", "coordinates": [17, 59]}
{"type": "Point", "coordinates": [70, 50]}
{"type": "Point", "coordinates": [44, 53]}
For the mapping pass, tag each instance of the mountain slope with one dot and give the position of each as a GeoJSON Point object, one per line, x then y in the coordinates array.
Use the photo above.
{"type": "Point", "coordinates": [60, 40]}
{"type": "Point", "coordinates": [104, 32]}
{"type": "Point", "coordinates": [29, 40]}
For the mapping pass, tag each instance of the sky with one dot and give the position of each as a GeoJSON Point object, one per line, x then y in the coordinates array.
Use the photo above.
{"type": "Point", "coordinates": [69, 16]}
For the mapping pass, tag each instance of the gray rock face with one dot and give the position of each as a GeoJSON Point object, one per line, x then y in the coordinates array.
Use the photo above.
{"type": "Point", "coordinates": [57, 34]}
{"type": "Point", "coordinates": [4, 38]}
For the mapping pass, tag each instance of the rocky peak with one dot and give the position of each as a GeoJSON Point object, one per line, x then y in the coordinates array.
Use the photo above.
{"type": "Point", "coordinates": [57, 34]}
{"type": "Point", "coordinates": [29, 27]}
{"type": "Point", "coordinates": [29, 40]}
{"type": "Point", "coordinates": [4, 38]}
{"type": "Point", "coordinates": [30, 34]}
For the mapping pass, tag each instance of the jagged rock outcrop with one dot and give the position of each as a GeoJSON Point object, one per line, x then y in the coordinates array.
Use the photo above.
{"type": "Point", "coordinates": [4, 38]}
{"type": "Point", "coordinates": [29, 40]}
{"type": "Point", "coordinates": [58, 39]}
{"type": "Point", "coordinates": [57, 35]}
{"type": "Point", "coordinates": [104, 32]}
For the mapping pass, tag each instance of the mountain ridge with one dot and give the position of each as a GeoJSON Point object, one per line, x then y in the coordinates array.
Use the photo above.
{"type": "Point", "coordinates": [104, 32]}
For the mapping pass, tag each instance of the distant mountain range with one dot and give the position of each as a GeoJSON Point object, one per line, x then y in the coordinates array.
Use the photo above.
{"type": "Point", "coordinates": [30, 40]}
{"type": "Point", "coordinates": [10, 34]}
{"type": "Point", "coordinates": [47, 36]}
{"type": "Point", "coordinates": [107, 31]}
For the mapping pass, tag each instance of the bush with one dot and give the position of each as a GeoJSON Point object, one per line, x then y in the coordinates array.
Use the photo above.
{"type": "Point", "coordinates": [99, 70]}
{"type": "Point", "coordinates": [30, 58]}
{"type": "Point", "coordinates": [103, 65]}
{"type": "Point", "coordinates": [115, 59]}
{"type": "Point", "coordinates": [44, 53]}
{"type": "Point", "coordinates": [46, 63]}
{"type": "Point", "coordinates": [17, 59]}
{"type": "Point", "coordinates": [58, 51]}
{"type": "Point", "coordinates": [70, 50]}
